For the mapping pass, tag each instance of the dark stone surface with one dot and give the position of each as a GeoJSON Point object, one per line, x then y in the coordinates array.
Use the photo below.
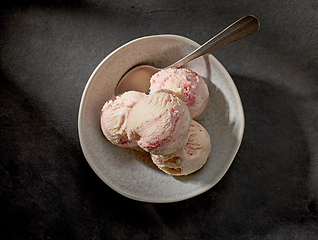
{"type": "Point", "coordinates": [48, 191]}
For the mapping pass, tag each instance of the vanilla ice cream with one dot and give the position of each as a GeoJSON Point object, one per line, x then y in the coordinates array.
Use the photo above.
{"type": "Point", "coordinates": [159, 122]}
{"type": "Point", "coordinates": [190, 85]}
{"type": "Point", "coordinates": [189, 158]}
{"type": "Point", "coordinates": [114, 118]}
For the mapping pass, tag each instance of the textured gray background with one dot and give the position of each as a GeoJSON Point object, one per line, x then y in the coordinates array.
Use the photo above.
{"type": "Point", "coordinates": [48, 49]}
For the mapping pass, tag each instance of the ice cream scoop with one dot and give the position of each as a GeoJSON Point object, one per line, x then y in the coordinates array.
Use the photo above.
{"type": "Point", "coordinates": [187, 83]}
{"type": "Point", "coordinates": [159, 122]}
{"type": "Point", "coordinates": [114, 118]}
{"type": "Point", "coordinates": [189, 158]}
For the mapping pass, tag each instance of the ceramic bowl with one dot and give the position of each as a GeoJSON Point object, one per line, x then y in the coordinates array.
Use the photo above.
{"type": "Point", "coordinates": [132, 173]}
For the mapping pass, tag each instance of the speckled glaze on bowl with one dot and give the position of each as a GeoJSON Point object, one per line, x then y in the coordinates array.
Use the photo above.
{"type": "Point", "coordinates": [132, 173]}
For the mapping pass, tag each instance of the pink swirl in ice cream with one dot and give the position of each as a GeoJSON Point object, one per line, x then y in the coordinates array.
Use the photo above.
{"type": "Point", "coordinates": [187, 83]}
{"type": "Point", "coordinates": [159, 122]}
{"type": "Point", "coordinates": [114, 118]}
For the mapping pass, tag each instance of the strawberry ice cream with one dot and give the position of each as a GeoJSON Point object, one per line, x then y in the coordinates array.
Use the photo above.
{"type": "Point", "coordinates": [159, 122]}
{"type": "Point", "coordinates": [114, 118]}
{"type": "Point", "coordinates": [189, 158]}
{"type": "Point", "coordinates": [187, 83]}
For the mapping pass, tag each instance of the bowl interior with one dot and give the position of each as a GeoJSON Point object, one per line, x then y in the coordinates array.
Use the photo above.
{"type": "Point", "coordinates": [132, 173]}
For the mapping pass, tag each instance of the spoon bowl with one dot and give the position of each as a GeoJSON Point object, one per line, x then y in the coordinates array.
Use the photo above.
{"type": "Point", "coordinates": [138, 77]}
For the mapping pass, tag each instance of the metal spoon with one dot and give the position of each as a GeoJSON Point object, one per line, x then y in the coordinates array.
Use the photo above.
{"type": "Point", "coordinates": [138, 78]}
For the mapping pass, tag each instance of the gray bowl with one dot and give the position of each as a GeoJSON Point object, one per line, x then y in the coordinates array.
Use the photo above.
{"type": "Point", "coordinates": [132, 173]}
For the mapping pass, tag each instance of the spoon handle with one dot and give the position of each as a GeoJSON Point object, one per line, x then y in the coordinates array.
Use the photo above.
{"type": "Point", "coordinates": [241, 28]}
